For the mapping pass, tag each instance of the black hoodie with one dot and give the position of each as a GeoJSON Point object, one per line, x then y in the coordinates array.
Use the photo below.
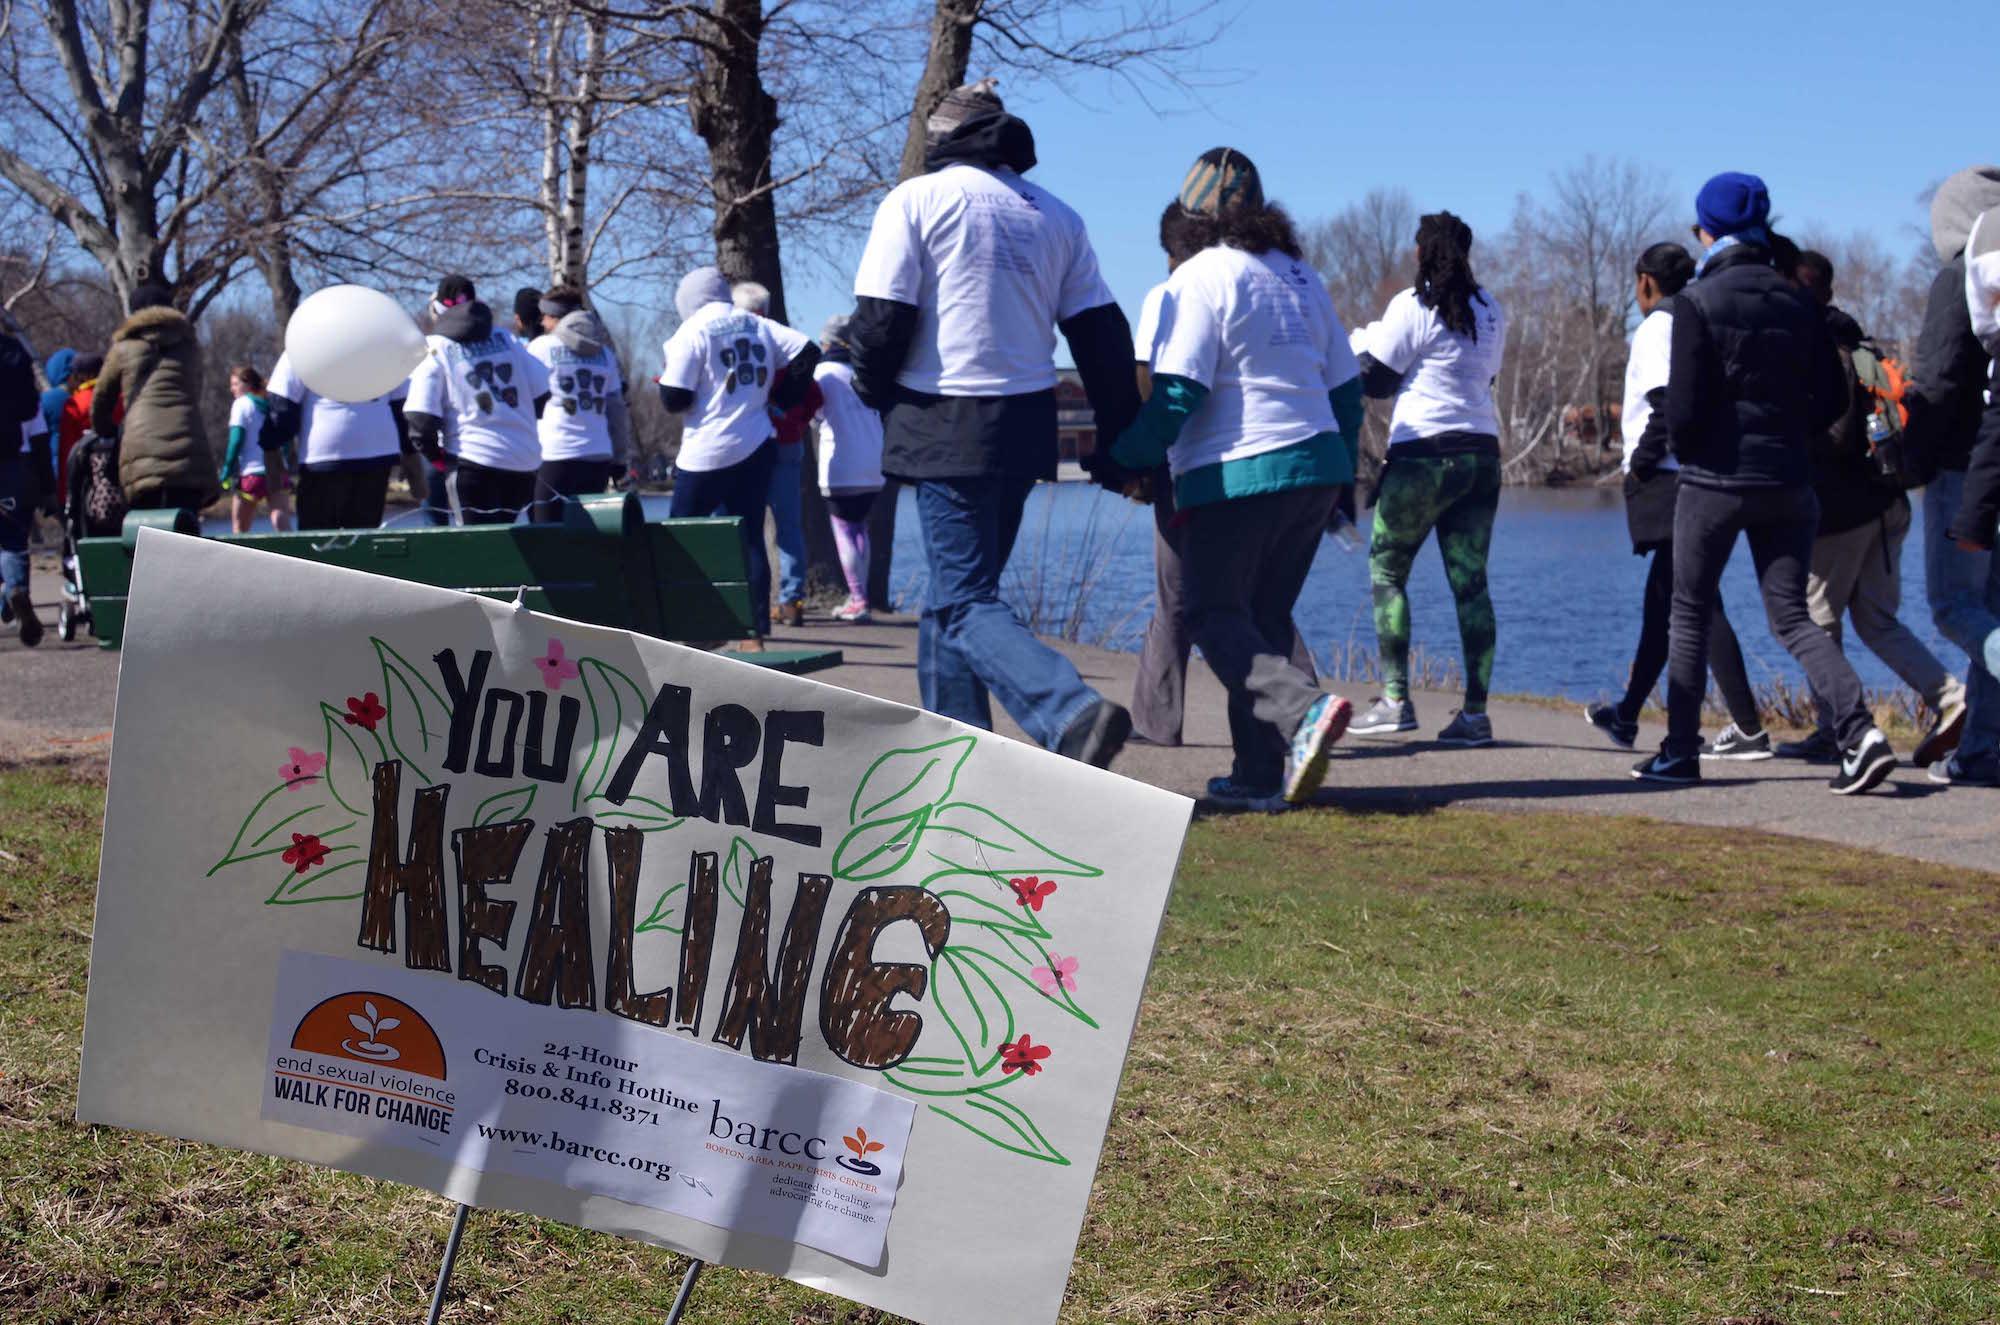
{"type": "Point", "coordinates": [467, 323]}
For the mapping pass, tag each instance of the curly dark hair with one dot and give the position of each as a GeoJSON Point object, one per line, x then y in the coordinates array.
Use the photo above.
{"type": "Point", "coordinates": [1670, 266]}
{"type": "Point", "coordinates": [1444, 271]}
{"type": "Point", "coordinates": [1263, 229]}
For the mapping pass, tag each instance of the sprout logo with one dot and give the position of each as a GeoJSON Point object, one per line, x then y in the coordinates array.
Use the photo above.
{"type": "Point", "coordinates": [862, 1148]}
{"type": "Point", "coordinates": [372, 1028]}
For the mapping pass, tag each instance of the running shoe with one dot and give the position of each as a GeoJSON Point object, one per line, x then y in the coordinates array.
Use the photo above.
{"type": "Point", "coordinates": [1864, 767]}
{"type": "Point", "coordinates": [1943, 736]}
{"type": "Point", "coordinates": [1467, 730]}
{"type": "Point", "coordinates": [1817, 748]}
{"type": "Point", "coordinates": [24, 612]}
{"type": "Point", "coordinates": [1097, 735]}
{"type": "Point", "coordinates": [854, 611]}
{"type": "Point", "coordinates": [1229, 794]}
{"type": "Point", "coordinates": [1674, 770]}
{"type": "Point", "coordinates": [1384, 717]}
{"type": "Point", "coordinates": [1732, 743]}
{"type": "Point", "coordinates": [1605, 718]}
{"type": "Point", "coordinates": [1953, 772]}
{"type": "Point", "coordinates": [1312, 746]}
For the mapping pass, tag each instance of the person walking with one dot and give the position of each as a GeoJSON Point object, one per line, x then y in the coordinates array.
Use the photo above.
{"type": "Point", "coordinates": [969, 271]}
{"type": "Point", "coordinates": [1436, 350]}
{"type": "Point", "coordinates": [153, 372]}
{"type": "Point", "coordinates": [1255, 405]}
{"type": "Point", "coordinates": [1857, 557]}
{"type": "Point", "coordinates": [723, 368]}
{"type": "Point", "coordinates": [787, 495]}
{"type": "Point", "coordinates": [850, 464]}
{"type": "Point", "coordinates": [476, 400]}
{"type": "Point", "coordinates": [586, 425]}
{"type": "Point", "coordinates": [20, 411]}
{"type": "Point", "coordinates": [1948, 382]}
{"type": "Point", "coordinates": [1973, 527]}
{"type": "Point", "coordinates": [258, 475]}
{"type": "Point", "coordinates": [1754, 379]}
{"type": "Point", "coordinates": [1652, 481]}
{"type": "Point", "coordinates": [345, 448]}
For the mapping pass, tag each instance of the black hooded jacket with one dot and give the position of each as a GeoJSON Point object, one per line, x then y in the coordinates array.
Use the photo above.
{"type": "Point", "coordinates": [1755, 378]}
{"type": "Point", "coordinates": [1947, 376]}
{"type": "Point", "coordinates": [1851, 493]}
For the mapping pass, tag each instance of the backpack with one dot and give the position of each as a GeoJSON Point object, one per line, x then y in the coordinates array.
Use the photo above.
{"type": "Point", "coordinates": [1883, 385]}
{"type": "Point", "coordinates": [97, 501]}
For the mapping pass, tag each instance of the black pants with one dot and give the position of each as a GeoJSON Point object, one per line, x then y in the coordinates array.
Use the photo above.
{"type": "Point", "coordinates": [742, 490]}
{"type": "Point", "coordinates": [344, 498]}
{"type": "Point", "coordinates": [1725, 655]}
{"type": "Point", "coordinates": [1243, 563]}
{"type": "Point", "coordinates": [557, 479]}
{"type": "Point", "coordinates": [1780, 524]}
{"type": "Point", "coordinates": [480, 494]}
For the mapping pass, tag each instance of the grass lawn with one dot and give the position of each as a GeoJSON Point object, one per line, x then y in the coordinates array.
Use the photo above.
{"type": "Point", "coordinates": [1443, 1067]}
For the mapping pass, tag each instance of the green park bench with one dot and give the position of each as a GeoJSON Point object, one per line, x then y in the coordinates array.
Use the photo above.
{"type": "Point", "coordinates": [605, 564]}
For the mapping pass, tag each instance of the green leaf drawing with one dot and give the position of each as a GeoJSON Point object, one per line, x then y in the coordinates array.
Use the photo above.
{"type": "Point", "coordinates": [973, 1008]}
{"type": "Point", "coordinates": [945, 1076]}
{"type": "Point", "coordinates": [736, 870]}
{"type": "Point", "coordinates": [502, 806]}
{"type": "Point", "coordinates": [279, 813]}
{"type": "Point", "coordinates": [1004, 1123]}
{"type": "Point", "coordinates": [877, 849]}
{"type": "Point", "coordinates": [665, 913]}
{"type": "Point", "coordinates": [419, 717]}
{"type": "Point", "coordinates": [969, 839]}
{"type": "Point", "coordinates": [614, 700]}
{"type": "Point", "coordinates": [347, 765]}
{"type": "Point", "coordinates": [1006, 954]}
{"type": "Point", "coordinates": [997, 911]}
{"type": "Point", "coordinates": [640, 812]}
{"type": "Point", "coordinates": [329, 883]}
{"type": "Point", "coordinates": [903, 781]}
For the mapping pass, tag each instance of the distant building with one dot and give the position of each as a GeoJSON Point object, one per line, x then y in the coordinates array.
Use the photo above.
{"type": "Point", "coordinates": [1076, 426]}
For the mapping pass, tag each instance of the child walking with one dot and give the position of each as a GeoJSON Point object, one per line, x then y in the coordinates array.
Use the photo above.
{"type": "Point", "coordinates": [850, 464]}
{"type": "Point", "coordinates": [256, 475]}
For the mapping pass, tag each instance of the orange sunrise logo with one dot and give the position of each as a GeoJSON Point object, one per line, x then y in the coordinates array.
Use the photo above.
{"type": "Point", "coordinates": [372, 1028]}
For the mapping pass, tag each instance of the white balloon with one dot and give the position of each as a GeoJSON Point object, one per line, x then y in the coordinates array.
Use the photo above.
{"type": "Point", "coordinates": [351, 343]}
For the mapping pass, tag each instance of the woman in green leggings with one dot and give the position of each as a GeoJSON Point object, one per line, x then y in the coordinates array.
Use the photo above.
{"type": "Point", "coordinates": [1436, 350]}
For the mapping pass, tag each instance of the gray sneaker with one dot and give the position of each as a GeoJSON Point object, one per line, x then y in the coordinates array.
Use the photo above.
{"type": "Point", "coordinates": [1385, 717]}
{"type": "Point", "coordinates": [1732, 743]}
{"type": "Point", "coordinates": [1953, 772]}
{"type": "Point", "coordinates": [1467, 729]}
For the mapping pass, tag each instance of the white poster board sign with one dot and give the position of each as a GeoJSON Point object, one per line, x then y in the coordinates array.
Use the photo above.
{"type": "Point", "coordinates": [547, 917]}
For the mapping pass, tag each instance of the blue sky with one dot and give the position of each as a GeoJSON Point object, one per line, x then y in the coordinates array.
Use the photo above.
{"type": "Point", "coordinates": [1849, 110]}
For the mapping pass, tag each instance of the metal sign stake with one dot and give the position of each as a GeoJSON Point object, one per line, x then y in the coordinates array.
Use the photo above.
{"type": "Point", "coordinates": [450, 1256]}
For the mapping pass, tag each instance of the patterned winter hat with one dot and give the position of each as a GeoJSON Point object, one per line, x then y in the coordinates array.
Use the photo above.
{"type": "Point", "coordinates": [960, 105]}
{"type": "Point", "coordinates": [1221, 177]}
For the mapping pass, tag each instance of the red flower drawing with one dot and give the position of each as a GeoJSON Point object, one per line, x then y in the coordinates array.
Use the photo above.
{"type": "Point", "coordinates": [364, 712]}
{"type": "Point", "coordinates": [1031, 892]}
{"type": "Point", "coordinates": [1023, 1055]}
{"type": "Point", "coordinates": [307, 851]}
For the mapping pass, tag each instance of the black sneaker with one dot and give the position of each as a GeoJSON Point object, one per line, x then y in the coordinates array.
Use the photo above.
{"type": "Point", "coordinates": [1731, 743]}
{"type": "Point", "coordinates": [1674, 770]}
{"type": "Point", "coordinates": [1097, 735]}
{"type": "Point", "coordinates": [1943, 736]}
{"type": "Point", "coordinates": [1817, 748]}
{"type": "Point", "coordinates": [1605, 718]}
{"type": "Point", "coordinates": [1864, 767]}
{"type": "Point", "coordinates": [24, 614]}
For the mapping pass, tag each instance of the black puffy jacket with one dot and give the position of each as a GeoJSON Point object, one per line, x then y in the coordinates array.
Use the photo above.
{"type": "Point", "coordinates": [1754, 376]}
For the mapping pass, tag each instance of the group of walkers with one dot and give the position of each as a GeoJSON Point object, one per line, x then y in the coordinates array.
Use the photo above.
{"type": "Point", "coordinates": [1754, 407]}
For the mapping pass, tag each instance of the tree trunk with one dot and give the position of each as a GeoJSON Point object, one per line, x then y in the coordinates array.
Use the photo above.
{"type": "Point", "coordinates": [945, 66]}
{"type": "Point", "coordinates": [572, 270]}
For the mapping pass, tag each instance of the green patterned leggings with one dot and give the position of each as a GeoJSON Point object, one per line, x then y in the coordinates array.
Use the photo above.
{"type": "Point", "coordinates": [1456, 495]}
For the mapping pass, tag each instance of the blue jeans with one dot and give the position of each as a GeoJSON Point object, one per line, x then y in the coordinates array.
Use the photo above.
{"type": "Point", "coordinates": [786, 475]}
{"type": "Point", "coordinates": [968, 641]}
{"type": "Point", "coordinates": [17, 516]}
{"type": "Point", "coordinates": [1964, 589]}
{"type": "Point", "coordinates": [740, 490]}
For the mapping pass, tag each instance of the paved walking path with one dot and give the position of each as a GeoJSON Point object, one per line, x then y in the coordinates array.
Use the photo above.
{"type": "Point", "coordinates": [57, 700]}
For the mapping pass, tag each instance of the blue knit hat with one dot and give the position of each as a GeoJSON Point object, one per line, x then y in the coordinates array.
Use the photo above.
{"type": "Point", "coordinates": [1731, 203]}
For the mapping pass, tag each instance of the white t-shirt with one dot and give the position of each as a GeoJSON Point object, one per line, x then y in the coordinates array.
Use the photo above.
{"type": "Point", "coordinates": [850, 434]}
{"type": "Point", "coordinates": [1646, 370]}
{"type": "Point", "coordinates": [246, 414]}
{"type": "Point", "coordinates": [1447, 378]}
{"type": "Point", "coordinates": [728, 358]}
{"type": "Point", "coordinates": [1146, 332]}
{"type": "Point", "coordinates": [992, 263]}
{"type": "Point", "coordinates": [575, 425]}
{"type": "Point", "coordinates": [1258, 330]}
{"type": "Point", "coordinates": [334, 430]}
{"type": "Point", "coordinates": [485, 392]}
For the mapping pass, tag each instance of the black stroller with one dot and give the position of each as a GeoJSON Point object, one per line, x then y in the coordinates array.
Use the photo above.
{"type": "Point", "coordinates": [93, 507]}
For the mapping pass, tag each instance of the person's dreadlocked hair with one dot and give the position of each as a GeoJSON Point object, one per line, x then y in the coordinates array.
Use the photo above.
{"type": "Point", "coordinates": [1444, 271]}
{"type": "Point", "coordinates": [1264, 229]}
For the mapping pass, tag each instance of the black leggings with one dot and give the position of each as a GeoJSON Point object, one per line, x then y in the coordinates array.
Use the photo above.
{"type": "Point", "coordinates": [558, 479]}
{"type": "Point", "coordinates": [1725, 655]}
{"type": "Point", "coordinates": [344, 498]}
{"type": "Point", "coordinates": [481, 494]}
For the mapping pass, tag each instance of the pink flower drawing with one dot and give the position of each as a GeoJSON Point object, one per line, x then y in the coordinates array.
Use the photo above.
{"type": "Point", "coordinates": [555, 668]}
{"type": "Point", "coordinates": [300, 768]}
{"type": "Point", "coordinates": [1060, 973]}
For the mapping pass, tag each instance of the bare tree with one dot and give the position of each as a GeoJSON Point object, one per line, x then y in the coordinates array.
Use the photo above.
{"type": "Point", "coordinates": [1366, 253]}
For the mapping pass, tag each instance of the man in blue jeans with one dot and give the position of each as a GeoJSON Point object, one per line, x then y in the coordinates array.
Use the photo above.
{"type": "Point", "coordinates": [1949, 379]}
{"type": "Point", "coordinates": [969, 271]}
